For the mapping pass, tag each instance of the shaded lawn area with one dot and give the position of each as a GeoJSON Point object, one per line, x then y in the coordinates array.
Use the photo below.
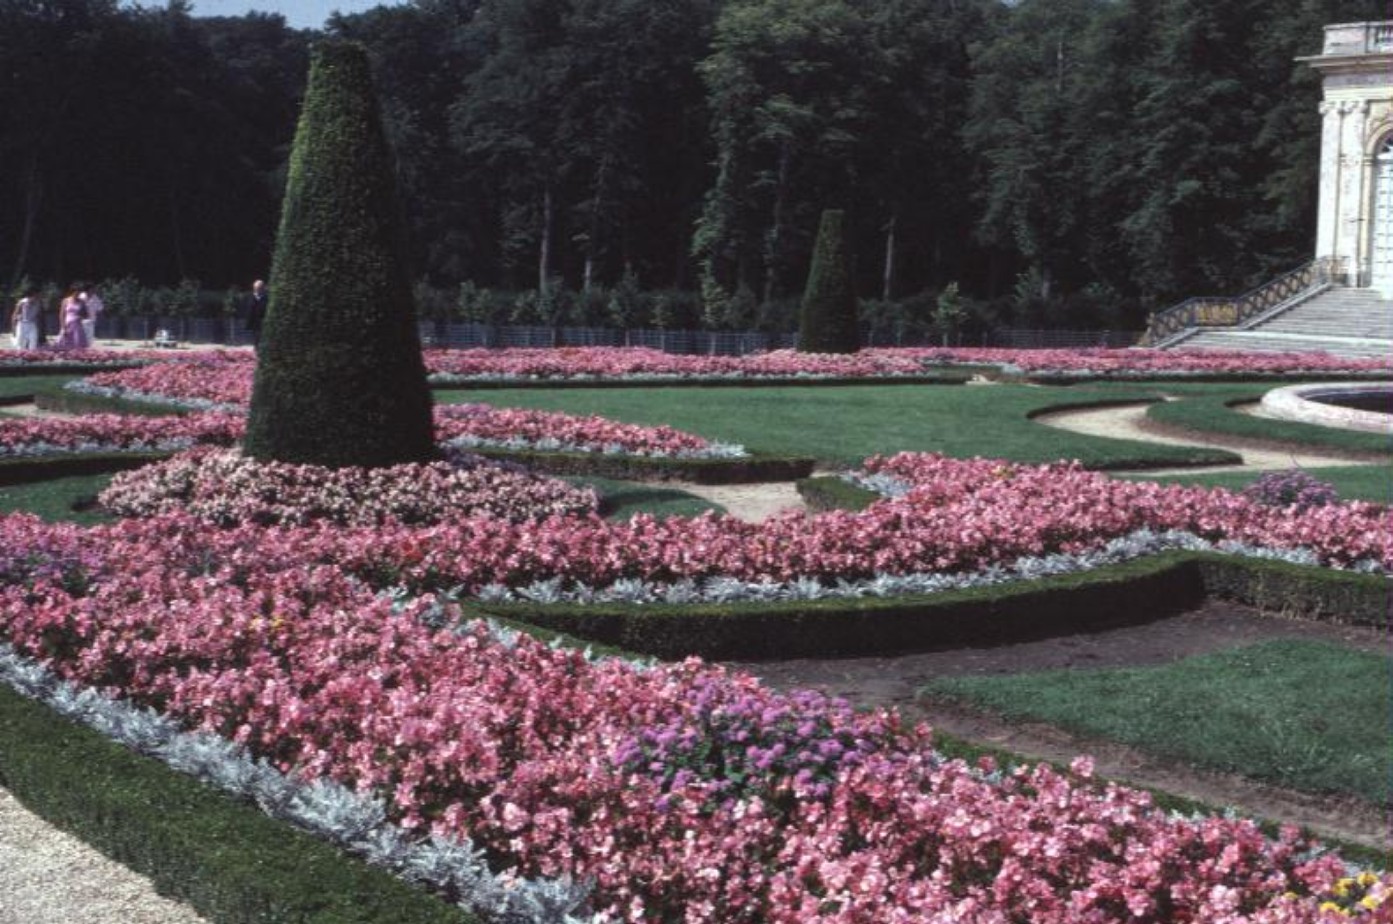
{"type": "Point", "coordinates": [843, 424]}
{"type": "Point", "coordinates": [53, 500]}
{"type": "Point", "coordinates": [1352, 482]}
{"type": "Point", "coordinates": [23, 385]}
{"type": "Point", "coordinates": [1307, 715]}
{"type": "Point", "coordinates": [620, 500]}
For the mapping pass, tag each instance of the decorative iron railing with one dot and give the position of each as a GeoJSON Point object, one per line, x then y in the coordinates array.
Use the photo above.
{"type": "Point", "coordinates": [1219, 311]}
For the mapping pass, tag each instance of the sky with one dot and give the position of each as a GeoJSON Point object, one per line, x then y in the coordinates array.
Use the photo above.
{"type": "Point", "coordinates": [300, 14]}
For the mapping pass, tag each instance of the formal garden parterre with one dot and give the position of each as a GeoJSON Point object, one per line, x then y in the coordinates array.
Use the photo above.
{"type": "Point", "coordinates": [343, 650]}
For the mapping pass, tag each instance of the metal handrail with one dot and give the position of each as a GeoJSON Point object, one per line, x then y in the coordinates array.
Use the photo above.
{"type": "Point", "coordinates": [1221, 311]}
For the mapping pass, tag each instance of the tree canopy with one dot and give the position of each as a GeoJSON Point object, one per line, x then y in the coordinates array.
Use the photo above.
{"type": "Point", "coordinates": [1079, 161]}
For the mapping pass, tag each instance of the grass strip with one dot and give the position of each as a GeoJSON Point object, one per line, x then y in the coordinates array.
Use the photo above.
{"type": "Point", "coordinates": [620, 500]}
{"type": "Point", "coordinates": [842, 425]}
{"type": "Point", "coordinates": [19, 385]}
{"type": "Point", "coordinates": [1312, 716]}
{"type": "Point", "coordinates": [229, 861]}
{"type": "Point", "coordinates": [69, 499]}
{"type": "Point", "coordinates": [1214, 413]}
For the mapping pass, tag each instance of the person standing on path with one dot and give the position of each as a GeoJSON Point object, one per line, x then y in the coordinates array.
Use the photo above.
{"type": "Point", "coordinates": [25, 319]}
{"type": "Point", "coordinates": [95, 306]}
{"type": "Point", "coordinates": [71, 336]}
{"type": "Point", "coordinates": [255, 310]}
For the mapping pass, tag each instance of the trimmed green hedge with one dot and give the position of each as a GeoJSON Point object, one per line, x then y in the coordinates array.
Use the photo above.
{"type": "Point", "coordinates": [65, 401]}
{"type": "Point", "coordinates": [828, 319]}
{"type": "Point", "coordinates": [828, 492]}
{"type": "Point", "coordinates": [339, 376]}
{"type": "Point", "coordinates": [1130, 593]}
{"type": "Point", "coordinates": [227, 859]}
{"type": "Point", "coordinates": [1300, 591]}
{"type": "Point", "coordinates": [47, 468]}
{"type": "Point", "coordinates": [749, 470]}
{"type": "Point", "coordinates": [851, 626]}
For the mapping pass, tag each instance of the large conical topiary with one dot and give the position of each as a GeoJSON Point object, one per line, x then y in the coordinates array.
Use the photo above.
{"type": "Point", "coordinates": [339, 376]}
{"type": "Point", "coordinates": [828, 323]}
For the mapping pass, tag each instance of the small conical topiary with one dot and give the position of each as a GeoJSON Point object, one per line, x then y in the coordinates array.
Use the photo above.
{"type": "Point", "coordinates": [339, 377]}
{"type": "Point", "coordinates": [828, 323]}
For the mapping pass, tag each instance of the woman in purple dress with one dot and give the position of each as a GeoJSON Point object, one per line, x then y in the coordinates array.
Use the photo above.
{"type": "Point", "coordinates": [70, 313]}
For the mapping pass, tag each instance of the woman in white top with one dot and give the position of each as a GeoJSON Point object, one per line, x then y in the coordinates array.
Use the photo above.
{"type": "Point", "coordinates": [25, 320]}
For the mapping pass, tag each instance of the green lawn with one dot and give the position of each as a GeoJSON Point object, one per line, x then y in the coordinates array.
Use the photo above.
{"type": "Point", "coordinates": [620, 500]}
{"type": "Point", "coordinates": [53, 500]}
{"type": "Point", "coordinates": [842, 425]}
{"type": "Point", "coordinates": [1306, 715]}
{"type": "Point", "coordinates": [13, 385]}
{"type": "Point", "coordinates": [1206, 408]}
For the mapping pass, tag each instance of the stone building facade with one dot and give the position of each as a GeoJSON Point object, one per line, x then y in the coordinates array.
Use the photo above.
{"type": "Point", "coordinates": [1354, 234]}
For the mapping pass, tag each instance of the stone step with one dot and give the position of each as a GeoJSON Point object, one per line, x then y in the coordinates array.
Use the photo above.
{"type": "Point", "coordinates": [1256, 341]}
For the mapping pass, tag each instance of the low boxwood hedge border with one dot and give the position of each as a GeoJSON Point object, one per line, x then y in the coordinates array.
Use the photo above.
{"type": "Point", "coordinates": [1127, 594]}
{"type": "Point", "coordinates": [28, 469]}
{"type": "Point", "coordinates": [749, 470]}
{"type": "Point", "coordinates": [8, 370]}
{"type": "Point", "coordinates": [227, 859]}
{"type": "Point", "coordinates": [828, 492]}
{"type": "Point", "coordinates": [67, 401]}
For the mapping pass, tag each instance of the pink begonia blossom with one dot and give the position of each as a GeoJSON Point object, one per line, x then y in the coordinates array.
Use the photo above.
{"type": "Point", "coordinates": [223, 487]}
{"type": "Point", "coordinates": [650, 782]}
{"type": "Point", "coordinates": [226, 377]}
{"type": "Point", "coordinates": [100, 432]}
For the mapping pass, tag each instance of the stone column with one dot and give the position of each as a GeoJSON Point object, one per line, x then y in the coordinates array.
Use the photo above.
{"type": "Point", "coordinates": [1350, 230]}
{"type": "Point", "coordinates": [1328, 211]}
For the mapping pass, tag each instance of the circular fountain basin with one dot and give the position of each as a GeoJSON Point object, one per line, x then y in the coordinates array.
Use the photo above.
{"type": "Point", "coordinates": [1366, 406]}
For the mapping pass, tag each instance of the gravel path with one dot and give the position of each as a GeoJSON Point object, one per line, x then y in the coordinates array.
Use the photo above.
{"type": "Point", "coordinates": [50, 877]}
{"type": "Point", "coordinates": [1129, 421]}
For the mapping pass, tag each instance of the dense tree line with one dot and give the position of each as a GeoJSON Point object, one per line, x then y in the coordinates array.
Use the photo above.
{"type": "Point", "coordinates": [1065, 161]}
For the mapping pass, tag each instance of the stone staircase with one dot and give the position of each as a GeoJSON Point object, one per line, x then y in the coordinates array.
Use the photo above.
{"type": "Point", "coordinates": [1340, 321]}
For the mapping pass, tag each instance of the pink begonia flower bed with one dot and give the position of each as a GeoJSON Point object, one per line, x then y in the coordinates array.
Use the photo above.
{"type": "Point", "coordinates": [963, 516]}
{"type": "Point", "coordinates": [476, 424]}
{"type": "Point", "coordinates": [103, 432]}
{"type": "Point", "coordinates": [682, 791]}
{"type": "Point", "coordinates": [1138, 363]}
{"type": "Point", "coordinates": [226, 376]}
{"type": "Point", "coordinates": [629, 362]}
{"type": "Point", "coordinates": [223, 487]}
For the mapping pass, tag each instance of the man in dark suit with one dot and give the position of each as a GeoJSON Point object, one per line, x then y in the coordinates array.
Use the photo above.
{"type": "Point", "coordinates": [255, 311]}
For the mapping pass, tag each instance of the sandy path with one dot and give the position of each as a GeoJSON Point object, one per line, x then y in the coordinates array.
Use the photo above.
{"type": "Point", "coordinates": [753, 503]}
{"type": "Point", "coordinates": [1129, 421]}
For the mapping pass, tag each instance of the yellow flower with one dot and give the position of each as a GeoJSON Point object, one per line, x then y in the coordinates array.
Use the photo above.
{"type": "Point", "coordinates": [1332, 907]}
{"type": "Point", "coordinates": [1341, 887]}
{"type": "Point", "coordinates": [1367, 879]}
{"type": "Point", "coordinates": [1370, 901]}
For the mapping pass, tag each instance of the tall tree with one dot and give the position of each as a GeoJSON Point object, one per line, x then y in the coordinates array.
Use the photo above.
{"type": "Point", "coordinates": [339, 378]}
{"type": "Point", "coordinates": [1026, 126]}
{"type": "Point", "coordinates": [789, 85]}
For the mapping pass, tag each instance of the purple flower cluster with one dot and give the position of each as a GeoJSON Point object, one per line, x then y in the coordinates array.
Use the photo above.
{"type": "Point", "coordinates": [1292, 488]}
